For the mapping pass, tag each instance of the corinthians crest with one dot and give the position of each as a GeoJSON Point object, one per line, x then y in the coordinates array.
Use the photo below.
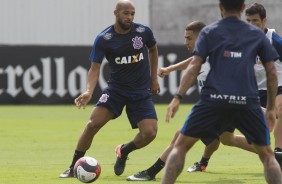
{"type": "Point", "coordinates": [137, 42]}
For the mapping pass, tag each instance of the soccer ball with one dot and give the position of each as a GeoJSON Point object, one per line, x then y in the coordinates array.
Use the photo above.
{"type": "Point", "coordinates": [87, 169]}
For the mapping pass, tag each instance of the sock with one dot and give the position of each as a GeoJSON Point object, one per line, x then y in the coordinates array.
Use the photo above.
{"type": "Point", "coordinates": [205, 161]}
{"type": "Point", "coordinates": [156, 168]}
{"type": "Point", "coordinates": [77, 155]}
{"type": "Point", "coordinates": [277, 150]}
{"type": "Point", "coordinates": [127, 148]}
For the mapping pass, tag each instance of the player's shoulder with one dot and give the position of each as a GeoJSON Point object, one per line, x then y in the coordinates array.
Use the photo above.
{"type": "Point", "coordinates": [106, 34]}
{"type": "Point", "coordinates": [139, 27]}
{"type": "Point", "coordinates": [276, 36]}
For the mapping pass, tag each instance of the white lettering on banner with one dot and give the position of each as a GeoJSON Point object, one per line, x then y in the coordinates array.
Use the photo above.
{"type": "Point", "coordinates": [12, 74]}
{"type": "Point", "coordinates": [50, 77]}
{"type": "Point", "coordinates": [78, 71]}
{"type": "Point", "coordinates": [60, 73]}
{"type": "Point", "coordinates": [32, 76]}
{"type": "Point", "coordinates": [1, 72]}
{"type": "Point", "coordinates": [47, 89]}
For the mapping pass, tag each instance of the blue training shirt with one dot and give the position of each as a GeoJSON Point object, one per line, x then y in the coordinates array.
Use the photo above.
{"type": "Point", "coordinates": [127, 55]}
{"type": "Point", "coordinates": [232, 46]}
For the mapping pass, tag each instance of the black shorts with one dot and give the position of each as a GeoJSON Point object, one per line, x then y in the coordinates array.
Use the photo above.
{"type": "Point", "coordinates": [207, 122]}
{"type": "Point", "coordinates": [139, 104]}
{"type": "Point", "coordinates": [263, 96]}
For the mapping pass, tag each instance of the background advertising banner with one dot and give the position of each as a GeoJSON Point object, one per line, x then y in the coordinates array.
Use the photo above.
{"type": "Point", "coordinates": [58, 74]}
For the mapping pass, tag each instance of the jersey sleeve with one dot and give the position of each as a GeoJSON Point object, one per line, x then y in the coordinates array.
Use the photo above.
{"type": "Point", "coordinates": [151, 39]}
{"type": "Point", "coordinates": [201, 44]}
{"type": "Point", "coordinates": [277, 43]}
{"type": "Point", "coordinates": [97, 52]}
{"type": "Point", "coordinates": [267, 52]}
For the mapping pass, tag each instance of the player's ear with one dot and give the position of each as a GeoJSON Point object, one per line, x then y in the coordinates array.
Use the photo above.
{"type": "Point", "coordinates": [116, 12]}
{"type": "Point", "coordinates": [243, 7]}
{"type": "Point", "coordinates": [221, 9]}
{"type": "Point", "coordinates": [264, 22]}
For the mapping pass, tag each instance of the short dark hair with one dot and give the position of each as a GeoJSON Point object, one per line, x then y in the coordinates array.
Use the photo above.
{"type": "Point", "coordinates": [195, 26]}
{"type": "Point", "coordinates": [256, 8]}
{"type": "Point", "coordinates": [232, 5]}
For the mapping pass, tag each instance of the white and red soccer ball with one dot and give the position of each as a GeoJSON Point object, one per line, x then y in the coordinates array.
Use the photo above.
{"type": "Point", "coordinates": [87, 169]}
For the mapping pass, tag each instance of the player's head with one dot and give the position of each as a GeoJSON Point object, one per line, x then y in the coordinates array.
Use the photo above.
{"type": "Point", "coordinates": [191, 33]}
{"type": "Point", "coordinates": [231, 6]}
{"type": "Point", "coordinates": [124, 13]}
{"type": "Point", "coordinates": [256, 15]}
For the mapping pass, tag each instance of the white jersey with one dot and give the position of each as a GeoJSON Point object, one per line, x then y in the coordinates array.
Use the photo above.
{"type": "Point", "coordinates": [260, 71]}
{"type": "Point", "coordinates": [205, 69]}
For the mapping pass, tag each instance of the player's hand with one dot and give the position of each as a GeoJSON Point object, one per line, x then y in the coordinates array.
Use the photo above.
{"type": "Point", "coordinates": [270, 118]}
{"type": "Point", "coordinates": [83, 99]}
{"type": "Point", "coordinates": [155, 87]}
{"type": "Point", "coordinates": [172, 109]}
{"type": "Point", "coordinates": [162, 72]}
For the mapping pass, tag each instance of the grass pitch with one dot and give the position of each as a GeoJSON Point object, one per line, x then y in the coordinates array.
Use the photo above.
{"type": "Point", "coordinates": [37, 144]}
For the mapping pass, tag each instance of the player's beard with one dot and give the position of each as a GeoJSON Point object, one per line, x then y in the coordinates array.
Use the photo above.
{"type": "Point", "coordinates": [125, 27]}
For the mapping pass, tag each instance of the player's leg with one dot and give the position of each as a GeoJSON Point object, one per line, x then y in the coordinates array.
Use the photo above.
{"type": "Point", "coordinates": [210, 148]}
{"type": "Point", "coordinates": [176, 159]}
{"type": "Point", "coordinates": [252, 123]}
{"type": "Point", "coordinates": [98, 118]}
{"type": "Point", "coordinates": [272, 171]}
{"type": "Point", "coordinates": [142, 115]}
{"type": "Point", "coordinates": [278, 128]}
{"type": "Point", "coordinates": [150, 173]}
{"type": "Point", "coordinates": [229, 139]}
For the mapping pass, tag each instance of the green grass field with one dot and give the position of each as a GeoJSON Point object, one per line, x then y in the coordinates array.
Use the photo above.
{"type": "Point", "coordinates": [37, 144]}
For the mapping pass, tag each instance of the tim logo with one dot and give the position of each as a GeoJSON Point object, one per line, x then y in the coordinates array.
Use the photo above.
{"type": "Point", "coordinates": [231, 54]}
{"type": "Point", "coordinates": [137, 42]}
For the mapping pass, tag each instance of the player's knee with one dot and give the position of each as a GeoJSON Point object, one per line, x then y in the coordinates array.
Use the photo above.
{"type": "Point", "coordinates": [149, 135]}
{"type": "Point", "coordinates": [93, 126]}
{"type": "Point", "coordinates": [175, 137]}
{"type": "Point", "coordinates": [279, 111]}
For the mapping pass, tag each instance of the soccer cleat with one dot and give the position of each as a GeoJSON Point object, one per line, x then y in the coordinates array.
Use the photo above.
{"type": "Point", "coordinates": [197, 167]}
{"type": "Point", "coordinates": [67, 174]}
{"type": "Point", "coordinates": [278, 156]}
{"type": "Point", "coordinates": [141, 176]}
{"type": "Point", "coordinates": [120, 161]}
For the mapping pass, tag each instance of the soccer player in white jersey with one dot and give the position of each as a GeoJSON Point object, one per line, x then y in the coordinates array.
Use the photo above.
{"type": "Point", "coordinates": [256, 15]}
{"type": "Point", "coordinates": [191, 33]}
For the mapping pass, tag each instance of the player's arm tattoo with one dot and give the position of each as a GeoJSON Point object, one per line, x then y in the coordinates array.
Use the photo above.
{"type": "Point", "coordinates": [272, 84]}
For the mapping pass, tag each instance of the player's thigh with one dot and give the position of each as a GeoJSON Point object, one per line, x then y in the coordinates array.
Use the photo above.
{"type": "Point", "coordinates": [112, 100]}
{"type": "Point", "coordinates": [148, 126]}
{"type": "Point", "coordinates": [202, 122]}
{"type": "Point", "coordinates": [142, 113]}
{"type": "Point", "coordinates": [185, 143]}
{"type": "Point", "coordinates": [278, 103]}
{"type": "Point", "coordinates": [227, 137]}
{"type": "Point", "coordinates": [100, 115]}
{"type": "Point", "coordinates": [253, 125]}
